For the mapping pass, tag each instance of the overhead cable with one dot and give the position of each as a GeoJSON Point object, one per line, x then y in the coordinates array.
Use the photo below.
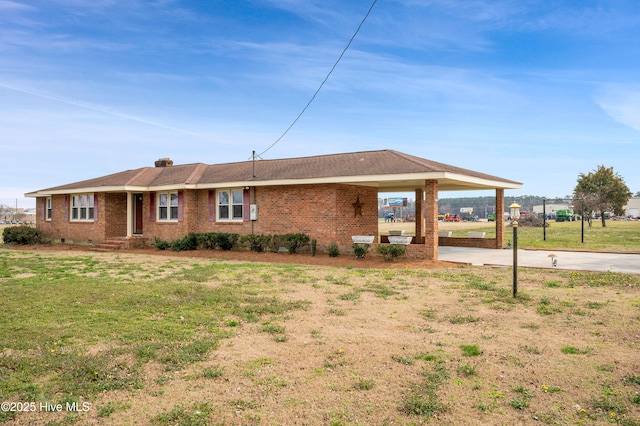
{"type": "Point", "coordinates": [323, 81]}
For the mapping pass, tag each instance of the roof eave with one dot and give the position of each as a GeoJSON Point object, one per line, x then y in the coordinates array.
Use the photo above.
{"type": "Point", "coordinates": [389, 182]}
{"type": "Point", "coordinates": [400, 182]}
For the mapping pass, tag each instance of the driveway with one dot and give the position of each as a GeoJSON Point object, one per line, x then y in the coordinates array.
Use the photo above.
{"type": "Point", "coordinates": [571, 260]}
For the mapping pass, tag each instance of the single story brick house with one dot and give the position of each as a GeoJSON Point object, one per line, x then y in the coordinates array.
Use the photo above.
{"type": "Point", "coordinates": [328, 197]}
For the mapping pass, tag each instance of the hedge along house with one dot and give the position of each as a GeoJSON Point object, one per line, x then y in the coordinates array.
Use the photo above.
{"type": "Point", "coordinates": [330, 198]}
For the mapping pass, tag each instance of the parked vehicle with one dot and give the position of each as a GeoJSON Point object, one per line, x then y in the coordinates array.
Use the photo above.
{"type": "Point", "coordinates": [564, 215]}
{"type": "Point", "coordinates": [491, 217]}
{"type": "Point", "coordinates": [452, 218]}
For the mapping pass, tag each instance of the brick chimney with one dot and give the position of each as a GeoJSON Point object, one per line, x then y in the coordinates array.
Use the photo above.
{"type": "Point", "coordinates": [164, 162]}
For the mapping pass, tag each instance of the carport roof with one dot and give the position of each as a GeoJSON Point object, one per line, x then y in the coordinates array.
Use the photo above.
{"type": "Point", "coordinates": [388, 170]}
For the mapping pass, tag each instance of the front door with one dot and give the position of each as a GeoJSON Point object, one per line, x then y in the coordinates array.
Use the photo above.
{"type": "Point", "coordinates": [137, 214]}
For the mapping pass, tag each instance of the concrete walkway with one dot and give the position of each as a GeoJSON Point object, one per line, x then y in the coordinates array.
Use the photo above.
{"type": "Point", "coordinates": [571, 260]}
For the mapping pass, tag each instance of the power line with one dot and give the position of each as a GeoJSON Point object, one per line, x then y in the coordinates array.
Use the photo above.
{"type": "Point", "coordinates": [323, 81]}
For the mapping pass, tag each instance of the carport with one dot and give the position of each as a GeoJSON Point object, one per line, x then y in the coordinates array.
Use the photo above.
{"type": "Point", "coordinates": [427, 179]}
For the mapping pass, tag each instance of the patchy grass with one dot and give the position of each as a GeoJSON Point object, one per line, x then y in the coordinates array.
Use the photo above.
{"type": "Point", "coordinates": [470, 350]}
{"type": "Point", "coordinates": [618, 235]}
{"type": "Point", "coordinates": [178, 340]}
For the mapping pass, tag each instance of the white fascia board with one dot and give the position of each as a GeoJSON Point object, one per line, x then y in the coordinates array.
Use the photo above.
{"type": "Point", "coordinates": [46, 193]}
{"type": "Point", "coordinates": [88, 189]}
{"type": "Point", "coordinates": [477, 181]}
{"type": "Point", "coordinates": [372, 180]}
{"type": "Point", "coordinates": [369, 180]}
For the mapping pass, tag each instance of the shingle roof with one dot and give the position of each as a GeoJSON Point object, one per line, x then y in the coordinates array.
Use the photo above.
{"type": "Point", "coordinates": [368, 167]}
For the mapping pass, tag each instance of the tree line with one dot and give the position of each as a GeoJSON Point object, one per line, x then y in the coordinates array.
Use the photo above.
{"type": "Point", "coordinates": [482, 206]}
{"type": "Point", "coordinates": [599, 191]}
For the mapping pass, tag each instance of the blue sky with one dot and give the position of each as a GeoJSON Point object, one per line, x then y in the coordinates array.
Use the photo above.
{"type": "Point", "coordinates": [533, 91]}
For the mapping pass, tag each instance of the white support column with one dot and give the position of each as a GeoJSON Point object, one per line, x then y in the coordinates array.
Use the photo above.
{"type": "Point", "coordinates": [130, 204]}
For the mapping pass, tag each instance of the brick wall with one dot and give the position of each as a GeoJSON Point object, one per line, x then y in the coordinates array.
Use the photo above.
{"type": "Point", "coordinates": [60, 227]}
{"type": "Point", "coordinates": [324, 212]}
{"type": "Point", "coordinates": [350, 222]}
{"type": "Point", "coordinates": [327, 213]}
{"type": "Point", "coordinates": [167, 229]}
{"type": "Point", "coordinates": [467, 242]}
{"type": "Point", "coordinates": [431, 219]}
{"type": "Point", "coordinates": [115, 214]}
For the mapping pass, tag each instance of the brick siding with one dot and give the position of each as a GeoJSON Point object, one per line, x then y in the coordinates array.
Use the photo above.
{"type": "Point", "coordinates": [60, 227]}
{"type": "Point", "coordinates": [324, 212]}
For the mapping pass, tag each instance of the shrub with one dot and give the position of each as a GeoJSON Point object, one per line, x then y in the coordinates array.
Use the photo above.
{"type": "Point", "coordinates": [391, 251]}
{"type": "Point", "coordinates": [314, 244]}
{"type": "Point", "coordinates": [188, 242]}
{"type": "Point", "coordinates": [295, 241]}
{"type": "Point", "coordinates": [207, 240]}
{"type": "Point", "coordinates": [333, 250]}
{"type": "Point", "coordinates": [274, 242]}
{"type": "Point", "coordinates": [226, 241]}
{"type": "Point", "coordinates": [214, 240]}
{"type": "Point", "coordinates": [360, 250]}
{"type": "Point", "coordinates": [161, 244]}
{"type": "Point", "coordinates": [256, 242]}
{"type": "Point", "coordinates": [21, 235]}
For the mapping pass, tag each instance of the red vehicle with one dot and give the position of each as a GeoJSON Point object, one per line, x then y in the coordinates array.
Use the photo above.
{"type": "Point", "coordinates": [452, 218]}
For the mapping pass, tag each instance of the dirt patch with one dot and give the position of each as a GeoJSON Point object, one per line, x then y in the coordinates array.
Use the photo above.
{"type": "Point", "coordinates": [401, 343]}
{"type": "Point", "coordinates": [342, 261]}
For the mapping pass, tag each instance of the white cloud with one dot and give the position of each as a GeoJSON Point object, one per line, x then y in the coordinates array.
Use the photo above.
{"type": "Point", "coordinates": [622, 103]}
{"type": "Point", "coordinates": [93, 107]}
{"type": "Point", "coordinates": [13, 6]}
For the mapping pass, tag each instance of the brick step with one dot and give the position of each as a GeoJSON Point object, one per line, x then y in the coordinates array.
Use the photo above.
{"type": "Point", "coordinates": [111, 245]}
{"type": "Point", "coordinates": [119, 243]}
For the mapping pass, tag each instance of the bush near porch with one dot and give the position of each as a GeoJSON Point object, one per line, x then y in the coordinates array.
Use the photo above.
{"type": "Point", "coordinates": [227, 241]}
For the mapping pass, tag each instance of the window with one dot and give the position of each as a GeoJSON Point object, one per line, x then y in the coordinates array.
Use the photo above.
{"type": "Point", "coordinates": [230, 204]}
{"type": "Point", "coordinates": [47, 206]}
{"type": "Point", "coordinates": [81, 207]}
{"type": "Point", "coordinates": [168, 206]}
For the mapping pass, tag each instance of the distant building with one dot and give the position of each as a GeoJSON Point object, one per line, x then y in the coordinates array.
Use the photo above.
{"type": "Point", "coordinates": [632, 208]}
{"type": "Point", "coordinates": [550, 208]}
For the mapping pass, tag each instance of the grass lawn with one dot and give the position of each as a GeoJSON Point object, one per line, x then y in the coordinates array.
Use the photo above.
{"type": "Point", "coordinates": [618, 235]}
{"type": "Point", "coordinates": [140, 339]}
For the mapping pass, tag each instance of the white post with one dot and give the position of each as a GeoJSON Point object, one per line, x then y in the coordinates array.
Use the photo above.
{"type": "Point", "coordinates": [129, 214]}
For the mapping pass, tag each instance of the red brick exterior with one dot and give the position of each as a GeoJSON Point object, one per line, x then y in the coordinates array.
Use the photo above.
{"type": "Point", "coordinates": [115, 214]}
{"type": "Point", "coordinates": [324, 212]}
{"type": "Point", "coordinates": [431, 220]}
{"type": "Point", "coordinates": [488, 243]}
{"type": "Point", "coordinates": [328, 213]}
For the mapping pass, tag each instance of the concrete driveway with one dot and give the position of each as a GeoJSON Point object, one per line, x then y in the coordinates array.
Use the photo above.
{"type": "Point", "coordinates": [571, 260]}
